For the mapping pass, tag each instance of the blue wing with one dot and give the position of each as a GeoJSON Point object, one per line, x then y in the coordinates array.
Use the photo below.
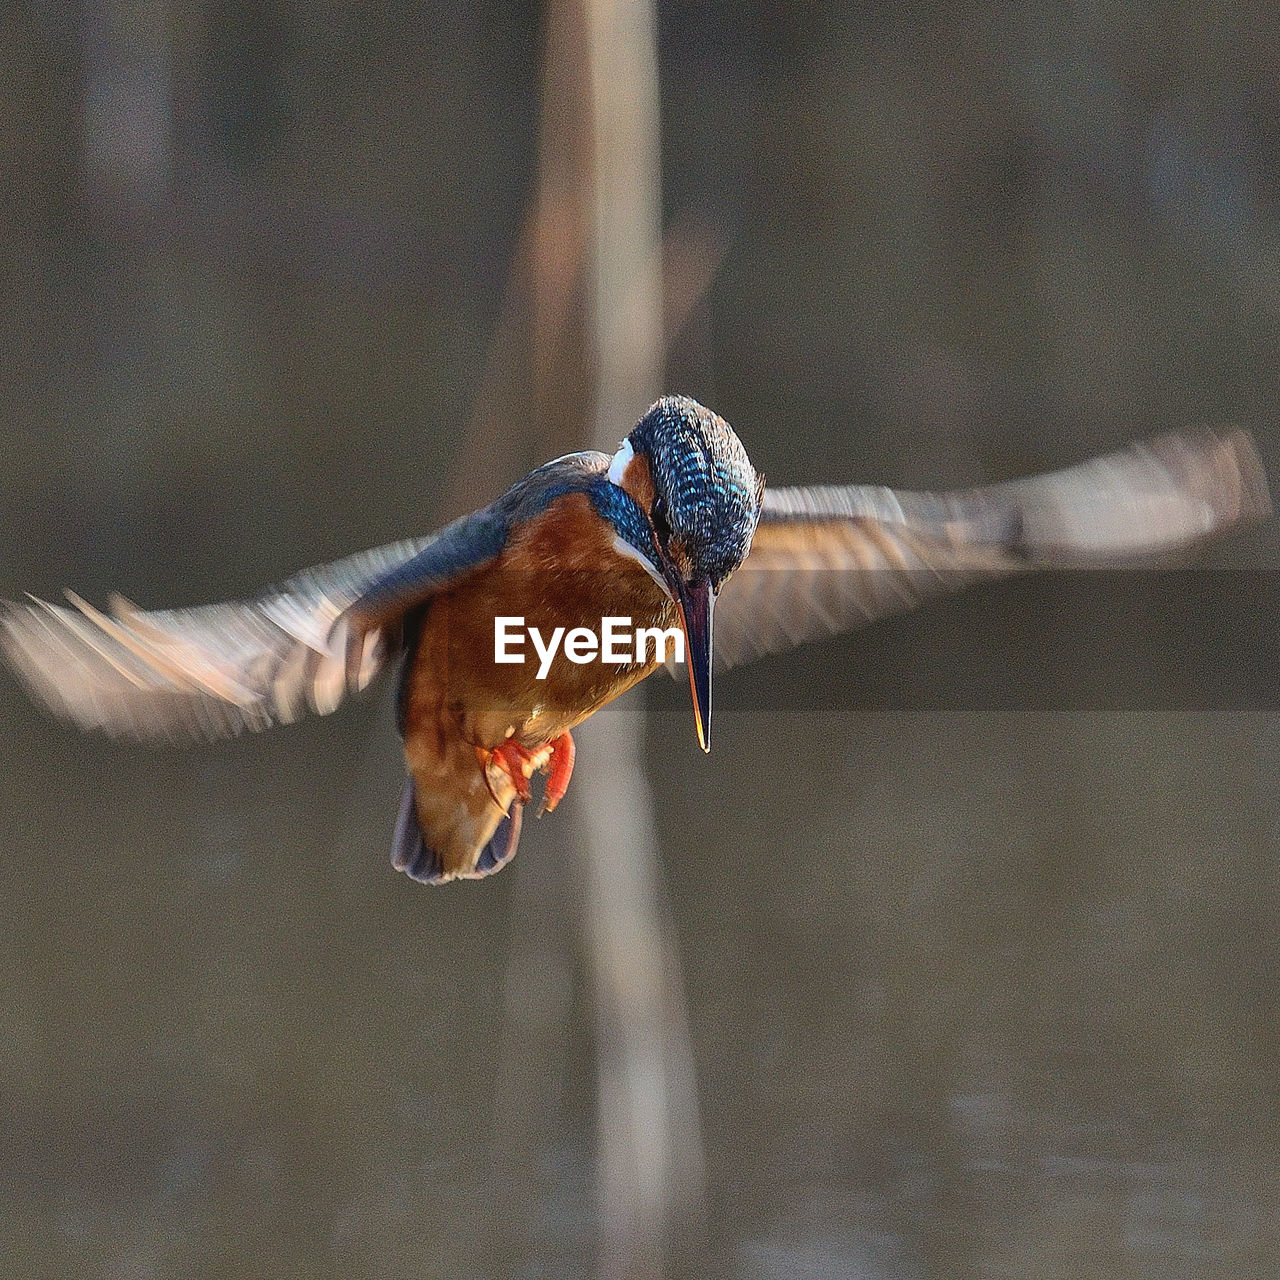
{"type": "Point", "coordinates": [218, 670]}
{"type": "Point", "coordinates": [470, 542]}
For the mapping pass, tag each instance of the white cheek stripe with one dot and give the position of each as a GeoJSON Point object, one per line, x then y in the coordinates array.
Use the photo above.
{"type": "Point", "coordinates": [618, 466]}
{"type": "Point", "coordinates": [624, 548]}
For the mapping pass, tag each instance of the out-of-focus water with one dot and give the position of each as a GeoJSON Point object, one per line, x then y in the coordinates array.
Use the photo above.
{"type": "Point", "coordinates": [971, 993]}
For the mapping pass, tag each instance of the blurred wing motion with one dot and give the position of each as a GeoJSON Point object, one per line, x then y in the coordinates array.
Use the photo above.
{"type": "Point", "coordinates": [217, 670]}
{"type": "Point", "coordinates": [829, 559]}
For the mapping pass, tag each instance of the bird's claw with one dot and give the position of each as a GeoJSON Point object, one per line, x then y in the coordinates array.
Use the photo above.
{"type": "Point", "coordinates": [560, 770]}
{"type": "Point", "coordinates": [516, 762]}
{"type": "Point", "coordinates": [520, 764]}
{"type": "Point", "coordinates": [484, 757]}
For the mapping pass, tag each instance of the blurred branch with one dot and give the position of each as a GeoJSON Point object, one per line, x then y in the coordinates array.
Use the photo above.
{"type": "Point", "coordinates": [649, 1150]}
{"type": "Point", "coordinates": [692, 251]}
{"type": "Point", "coordinates": [485, 462]}
{"type": "Point", "coordinates": [599, 290]}
{"type": "Point", "coordinates": [490, 456]}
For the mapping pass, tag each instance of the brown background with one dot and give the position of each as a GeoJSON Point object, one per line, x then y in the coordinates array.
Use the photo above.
{"type": "Point", "coordinates": [972, 994]}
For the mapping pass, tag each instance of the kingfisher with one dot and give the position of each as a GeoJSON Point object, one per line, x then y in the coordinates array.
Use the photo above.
{"type": "Point", "coordinates": [676, 531]}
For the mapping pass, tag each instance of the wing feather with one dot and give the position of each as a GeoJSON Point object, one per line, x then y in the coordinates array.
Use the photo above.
{"type": "Point", "coordinates": [178, 675]}
{"type": "Point", "coordinates": [832, 558]}
{"type": "Point", "coordinates": [218, 670]}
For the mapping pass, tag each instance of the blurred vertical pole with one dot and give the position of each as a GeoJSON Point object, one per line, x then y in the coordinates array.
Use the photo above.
{"type": "Point", "coordinates": [649, 1153]}
{"type": "Point", "coordinates": [596, 330]}
{"type": "Point", "coordinates": [626, 267]}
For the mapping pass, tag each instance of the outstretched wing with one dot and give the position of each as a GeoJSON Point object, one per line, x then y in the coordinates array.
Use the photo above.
{"type": "Point", "coordinates": [829, 559]}
{"type": "Point", "coordinates": [217, 670]}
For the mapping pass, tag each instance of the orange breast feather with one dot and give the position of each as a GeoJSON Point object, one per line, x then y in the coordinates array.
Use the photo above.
{"type": "Point", "coordinates": [561, 569]}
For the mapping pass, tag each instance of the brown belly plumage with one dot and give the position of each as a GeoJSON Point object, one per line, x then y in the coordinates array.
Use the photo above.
{"type": "Point", "coordinates": [560, 570]}
{"type": "Point", "coordinates": [455, 668]}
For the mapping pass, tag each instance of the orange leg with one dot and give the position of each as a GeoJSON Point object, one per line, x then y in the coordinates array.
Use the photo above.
{"type": "Point", "coordinates": [517, 763]}
{"type": "Point", "coordinates": [561, 770]}
{"type": "Point", "coordinates": [520, 764]}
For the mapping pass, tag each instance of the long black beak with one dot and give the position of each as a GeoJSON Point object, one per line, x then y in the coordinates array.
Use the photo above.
{"type": "Point", "coordinates": [697, 601]}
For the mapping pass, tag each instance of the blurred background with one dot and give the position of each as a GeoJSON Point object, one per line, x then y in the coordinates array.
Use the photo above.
{"type": "Point", "coordinates": [958, 992]}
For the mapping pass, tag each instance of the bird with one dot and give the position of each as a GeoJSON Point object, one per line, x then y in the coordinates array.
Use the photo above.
{"type": "Point", "coordinates": [675, 532]}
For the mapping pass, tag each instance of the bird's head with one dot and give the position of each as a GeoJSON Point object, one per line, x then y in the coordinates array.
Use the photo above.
{"type": "Point", "coordinates": [686, 470]}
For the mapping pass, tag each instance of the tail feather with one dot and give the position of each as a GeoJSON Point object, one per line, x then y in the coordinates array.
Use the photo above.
{"type": "Point", "coordinates": [411, 854]}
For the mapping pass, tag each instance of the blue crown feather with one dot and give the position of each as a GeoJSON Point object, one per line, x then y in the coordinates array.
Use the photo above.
{"type": "Point", "coordinates": [708, 489]}
{"type": "Point", "coordinates": [702, 473]}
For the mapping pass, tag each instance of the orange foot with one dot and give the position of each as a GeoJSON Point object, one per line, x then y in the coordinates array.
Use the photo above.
{"type": "Point", "coordinates": [561, 770]}
{"type": "Point", "coordinates": [520, 764]}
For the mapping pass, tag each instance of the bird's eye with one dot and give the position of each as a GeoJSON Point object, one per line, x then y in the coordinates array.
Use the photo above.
{"type": "Point", "coordinates": [658, 515]}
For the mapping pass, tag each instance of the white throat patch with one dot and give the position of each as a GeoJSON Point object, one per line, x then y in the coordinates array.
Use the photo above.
{"type": "Point", "coordinates": [624, 548]}
{"type": "Point", "coordinates": [618, 466]}
{"type": "Point", "coordinates": [617, 469]}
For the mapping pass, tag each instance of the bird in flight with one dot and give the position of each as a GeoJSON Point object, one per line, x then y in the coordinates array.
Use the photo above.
{"type": "Point", "coordinates": [674, 531]}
